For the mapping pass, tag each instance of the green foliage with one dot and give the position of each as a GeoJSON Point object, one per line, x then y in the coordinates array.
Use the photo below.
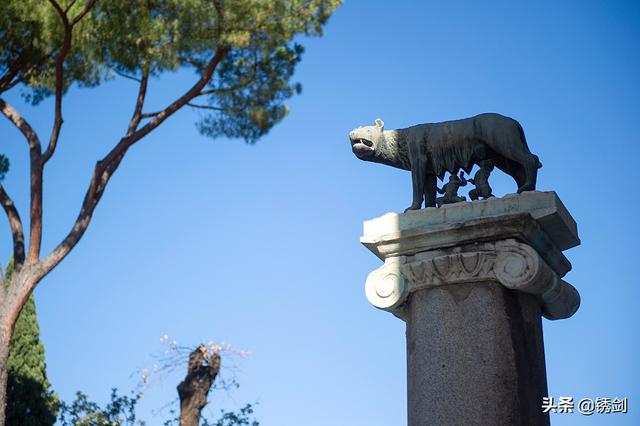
{"type": "Point", "coordinates": [231, 418]}
{"type": "Point", "coordinates": [262, 81]}
{"type": "Point", "coordinates": [246, 95]}
{"type": "Point", "coordinates": [30, 35]}
{"type": "Point", "coordinates": [30, 402]}
{"type": "Point", "coordinates": [120, 411]}
{"type": "Point", "coordinates": [243, 417]}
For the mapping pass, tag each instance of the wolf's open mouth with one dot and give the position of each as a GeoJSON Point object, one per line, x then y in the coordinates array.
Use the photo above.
{"type": "Point", "coordinates": [363, 142]}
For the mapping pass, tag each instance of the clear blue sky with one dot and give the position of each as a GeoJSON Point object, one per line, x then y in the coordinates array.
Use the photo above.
{"type": "Point", "coordinates": [258, 245]}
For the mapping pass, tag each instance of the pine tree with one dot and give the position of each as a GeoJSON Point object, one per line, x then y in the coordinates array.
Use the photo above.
{"type": "Point", "coordinates": [239, 55]}
{"type": "Point", "coordinates": [30, 400]}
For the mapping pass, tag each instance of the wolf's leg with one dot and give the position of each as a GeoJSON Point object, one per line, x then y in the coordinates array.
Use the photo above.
{"type": "Point", "coordinates": [417, 180]}
{"type": "Point", "coordinates": [430, 185]}
{"type": "Point", "coordinates": [418, 160]}
{"type": "Point", "coordinates": [530, 166]}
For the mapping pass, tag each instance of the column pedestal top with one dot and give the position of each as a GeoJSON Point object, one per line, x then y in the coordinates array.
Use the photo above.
{"type": "Point", "coordinates": [538, 219]}
{"type": "Point", "coordinates": [516, 241]}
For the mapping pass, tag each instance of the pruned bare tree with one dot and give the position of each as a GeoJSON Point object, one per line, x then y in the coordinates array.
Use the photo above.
{"type": "Point", "coordinates": [202, 371]}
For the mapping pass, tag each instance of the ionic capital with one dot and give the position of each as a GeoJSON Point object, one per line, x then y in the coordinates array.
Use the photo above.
{"type": "Point", "coordinates": [508, 262]}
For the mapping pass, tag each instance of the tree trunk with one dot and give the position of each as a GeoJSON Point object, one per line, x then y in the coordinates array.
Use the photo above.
{"type": "Point", "coordinates": [5, 342]}
{"type": "Point", "coordinates": [15, 295]}
{"type": "Point", "coordinates": [193, 390]}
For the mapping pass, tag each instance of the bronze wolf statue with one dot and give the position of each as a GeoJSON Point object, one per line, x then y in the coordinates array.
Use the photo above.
{"type": "Point", "coordinates": [430, 150]}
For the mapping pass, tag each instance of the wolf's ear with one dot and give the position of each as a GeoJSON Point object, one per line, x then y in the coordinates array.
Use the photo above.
{"type": "Point", "coordinates": [379, 123]}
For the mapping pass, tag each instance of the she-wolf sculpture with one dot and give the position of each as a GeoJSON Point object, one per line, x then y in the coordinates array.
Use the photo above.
{"type": "Point", "coordinates": [430, 150]}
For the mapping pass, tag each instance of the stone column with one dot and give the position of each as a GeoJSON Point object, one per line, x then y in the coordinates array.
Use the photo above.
{"type": "Point", "coordinates": [472, 281]}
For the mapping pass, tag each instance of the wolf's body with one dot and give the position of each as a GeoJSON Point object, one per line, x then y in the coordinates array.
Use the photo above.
{"type": "Point", "coordinates": [430, 150]}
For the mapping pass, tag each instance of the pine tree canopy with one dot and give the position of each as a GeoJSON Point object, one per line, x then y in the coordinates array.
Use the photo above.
{"type": "Point", "coordinates": [244, 98]}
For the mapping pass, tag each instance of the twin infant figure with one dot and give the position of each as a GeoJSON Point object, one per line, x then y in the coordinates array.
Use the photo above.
{"type": "Point", "coordinates": [480, 180]}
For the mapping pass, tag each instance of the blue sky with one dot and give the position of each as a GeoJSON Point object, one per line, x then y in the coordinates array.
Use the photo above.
{"type": "Point", "coordinates": [258, 245]}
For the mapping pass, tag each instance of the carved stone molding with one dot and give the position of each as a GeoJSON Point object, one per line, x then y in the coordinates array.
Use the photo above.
{"type": "Point", "coordinates": [507, 262]}
{"type": "Point", "coordinates": [449, 269]}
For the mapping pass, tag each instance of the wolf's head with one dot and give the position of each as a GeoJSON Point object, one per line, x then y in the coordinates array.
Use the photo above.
{"type": "Point", "coordinates": [366, 141]}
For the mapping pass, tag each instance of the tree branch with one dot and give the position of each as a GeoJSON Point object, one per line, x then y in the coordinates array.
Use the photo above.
{"type": "Point", "coordinates": [59, 67]}
{"type": "Point", "coordinates": [21, 124]}
{"type": "Point", "coordinates": [91, 199]}
{"type": "Point", "coordinates": [59, 84]}
{"type": "Point", "coordinates": [35, 209]}
{"type": "Point", "coordinates": [83, 12]}
{"type": "Point", "coordinates": [193, 62]}
{"type": "Point", "coordinates": [60, 11]}
{"type": "Point", "coordinates": [6, 81]}
{"type": "Point", "coordinates": [16, 226]}
{"type": "Point", "coordinates": [238, 86]}
{"type": "Point", "coordinates": [105, 168]}
{"type": "Point", "coordinates": [161, 116]}
{"type": "Point", "coordinates": [15, 82]}
{"type": "Point", "coordinates": [137, 112]}
{"type": "Point", "coordinates": [121, 74]}
{"type": "Point", "coordinates": [149, 114]}
{"type": "Point", "coordinates": [205, 107]}
{"type": "Point", "coordinates": [35, 158]}
{"type": "Point", "coordinates": [69, 6]}
{"type": "Point", "coordinates": [15, 75]}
